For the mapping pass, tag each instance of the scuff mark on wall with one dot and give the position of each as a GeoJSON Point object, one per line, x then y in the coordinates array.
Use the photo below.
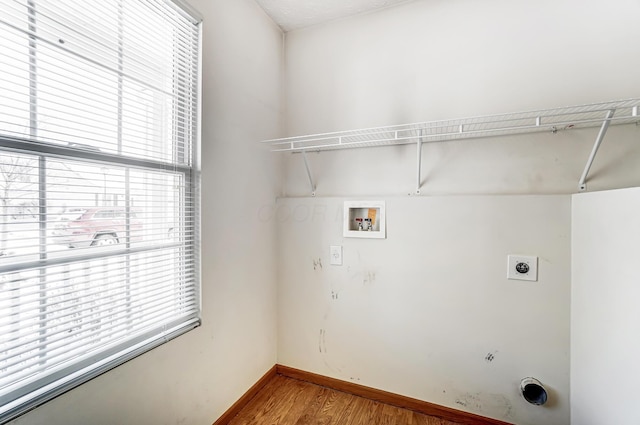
{"type": "Point", "coordinates": [471, 401]}
{"type": "Point", "coordinates": [322, 343]}
{"type": "Point", "coordinates": [490, 356]}
{"type": "Point", "coordinates": [317, 264]}
{"type": "Point", "coordinates": [322, 347]}
{"type": "Point", "coordinates": [489, 404]}
{"type": "Point", "coordinates": [369, 278]}
{"type": "Point", "coordinates": [334, 295]}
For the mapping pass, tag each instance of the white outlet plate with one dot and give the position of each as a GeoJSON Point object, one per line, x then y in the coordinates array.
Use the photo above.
{"type": "Point", "coordinates": [522, 267]}
{"type": "Point", "coordinates": [335, 252]}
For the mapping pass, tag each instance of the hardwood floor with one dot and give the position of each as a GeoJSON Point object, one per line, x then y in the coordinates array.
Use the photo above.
{"type": "Point", "coordinates": [287, 401]}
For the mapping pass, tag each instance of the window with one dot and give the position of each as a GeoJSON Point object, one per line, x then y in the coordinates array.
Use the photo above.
{"type": "Point", "coordinates": [99, 196]}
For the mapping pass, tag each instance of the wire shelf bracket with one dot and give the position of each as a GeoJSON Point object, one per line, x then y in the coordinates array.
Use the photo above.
{"type": "Point", "coordinates": [554, 120]}
{"type": "Point", "coordinates": [309, 174]}
{"type": "Point", "coordinates": [582, 185]}
{"type": "Point", "coordinates": [419, 165]}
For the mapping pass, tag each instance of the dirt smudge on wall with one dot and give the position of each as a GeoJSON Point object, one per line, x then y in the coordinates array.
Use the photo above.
{"type": "Point", "coordinates": [491, 356]}
{"type": "Point", "coordinates": [317, 264]}
{"type": "Point", "coordinates": [322, 342]}
{"type": "Point", "coordinates": [368, 278]}
{"type": "Point", "coordinates": [486, 403]}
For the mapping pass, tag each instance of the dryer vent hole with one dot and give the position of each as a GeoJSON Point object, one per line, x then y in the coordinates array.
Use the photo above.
{"type": "Point", "coordinates": [533, 391]}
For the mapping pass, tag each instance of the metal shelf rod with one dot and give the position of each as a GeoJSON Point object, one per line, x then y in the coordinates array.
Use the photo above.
{"type": "Point", "coordinates": [467, 134]}
{"type": "Point", "coordinates": [553, 120]}
{"type": "Point", "coordinates": [450, 135]}
{"type": "Point", "coordinates": [626, 109]}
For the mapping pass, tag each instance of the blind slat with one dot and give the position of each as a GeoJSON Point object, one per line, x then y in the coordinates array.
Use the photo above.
{"type": "Point", "coordinates": [50, 338]}
{"type": "Point", "coordinates": [60, 359]}
{"type": "Point", "coordinates": [16, 316]}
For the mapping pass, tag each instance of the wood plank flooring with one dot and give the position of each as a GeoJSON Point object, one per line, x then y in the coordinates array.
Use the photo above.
{"type": "Point", "coordinates": [287, 401]}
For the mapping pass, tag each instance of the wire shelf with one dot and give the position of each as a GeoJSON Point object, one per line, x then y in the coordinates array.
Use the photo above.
{"type": "Point", "coordinates": [565, 118]}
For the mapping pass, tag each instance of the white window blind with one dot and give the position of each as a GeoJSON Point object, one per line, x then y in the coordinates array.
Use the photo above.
{"type": "Point", "coordinates": [99, 196]}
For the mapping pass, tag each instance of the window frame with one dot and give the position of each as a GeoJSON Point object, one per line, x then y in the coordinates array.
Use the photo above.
{"type": "Point", "coordinates": [105, 360]}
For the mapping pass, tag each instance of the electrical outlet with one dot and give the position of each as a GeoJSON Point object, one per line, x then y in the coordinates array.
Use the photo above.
{"type": "Point", "coordinates": [522, 267]}
{"type": "Point", "coordinates": [336, 255]}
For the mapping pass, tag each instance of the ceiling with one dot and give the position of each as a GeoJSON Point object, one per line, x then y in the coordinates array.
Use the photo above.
{"type": "Point", "coordinates": [295, 14]}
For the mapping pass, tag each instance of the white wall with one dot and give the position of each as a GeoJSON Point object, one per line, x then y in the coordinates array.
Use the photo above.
{"type": "Point", "coordinates": [429, 60]}
{"type": "Point", "coordinates": [411, 316]}
{"type": "Point", "coordinates": [605, 319]}
{"type": "Point", "coordinates": [195, 378]}
{"type": "Point", "coordinates": [419, 312]}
